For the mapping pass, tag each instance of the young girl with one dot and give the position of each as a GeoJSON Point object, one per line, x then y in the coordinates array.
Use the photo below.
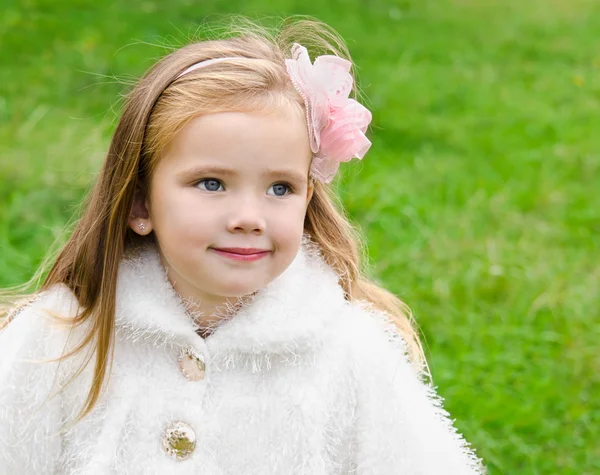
{"type": "Point", "coordinates": [208, 315]}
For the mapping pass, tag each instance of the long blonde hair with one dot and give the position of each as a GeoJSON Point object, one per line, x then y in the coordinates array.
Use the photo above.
{"type": "Point", "coordinates": [155, 110]}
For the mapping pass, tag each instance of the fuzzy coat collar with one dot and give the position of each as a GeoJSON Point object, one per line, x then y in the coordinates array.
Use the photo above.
{"type": "Point", "coordinates": [286, 316]}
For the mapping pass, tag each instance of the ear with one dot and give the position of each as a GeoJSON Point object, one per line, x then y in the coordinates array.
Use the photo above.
{"type": "Point", "coordinates": [139, 217]}
{"type": "Point", "coordinates": [309, 191]}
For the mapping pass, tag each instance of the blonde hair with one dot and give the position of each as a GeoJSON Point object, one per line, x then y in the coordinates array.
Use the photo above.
{"type": "Point", "coordinates": [155, 110]}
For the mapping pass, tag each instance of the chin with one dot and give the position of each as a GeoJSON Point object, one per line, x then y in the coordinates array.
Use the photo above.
{"type": "Point", "coordinates": [231, 289]}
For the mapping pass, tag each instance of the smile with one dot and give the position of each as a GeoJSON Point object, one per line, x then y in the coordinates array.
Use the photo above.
{"type": "Point", "coordinates": [241, 257]}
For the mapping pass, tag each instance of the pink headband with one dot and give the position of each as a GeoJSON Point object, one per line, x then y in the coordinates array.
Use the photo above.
{"type": "Point", "coordinates": [336, 124]}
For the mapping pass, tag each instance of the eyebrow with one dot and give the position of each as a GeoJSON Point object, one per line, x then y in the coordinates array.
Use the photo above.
{"type": "Point", "coordinates": [291, 175]}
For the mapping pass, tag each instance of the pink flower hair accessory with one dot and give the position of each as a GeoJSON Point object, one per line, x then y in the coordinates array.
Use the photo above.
{"type": "Point", "coordinates": [336, 123]}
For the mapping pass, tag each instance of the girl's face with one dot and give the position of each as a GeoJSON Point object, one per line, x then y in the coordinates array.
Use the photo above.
{"type": "Point", "coordinates": [230, 180]}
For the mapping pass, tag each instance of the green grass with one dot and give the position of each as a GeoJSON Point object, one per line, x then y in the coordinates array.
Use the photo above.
{"type": "Point", "coordinates": [479, 197]}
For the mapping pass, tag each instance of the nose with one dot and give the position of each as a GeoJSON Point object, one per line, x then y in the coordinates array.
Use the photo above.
{"type": "Point", "coordinates": [246, 216]}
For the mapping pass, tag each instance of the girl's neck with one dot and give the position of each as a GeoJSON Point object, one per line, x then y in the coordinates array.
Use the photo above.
{"type": "Point", "coordinates": [209, 315]}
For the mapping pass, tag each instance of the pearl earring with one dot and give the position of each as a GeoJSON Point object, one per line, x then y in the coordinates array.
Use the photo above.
{"type": "Point", "coordinates": [141, 226]}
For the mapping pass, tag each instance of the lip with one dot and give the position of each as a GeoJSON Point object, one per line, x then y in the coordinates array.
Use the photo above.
{"type": "Point", "coordinates": [241, 253]}
{"type": "Point", "coordinates": [241, 250]}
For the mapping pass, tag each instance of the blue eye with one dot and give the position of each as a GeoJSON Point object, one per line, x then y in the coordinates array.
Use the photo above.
{"type": "Point", "coordinates": [281, 188]}
{"type": "Point", "coordinates": [212, 184]}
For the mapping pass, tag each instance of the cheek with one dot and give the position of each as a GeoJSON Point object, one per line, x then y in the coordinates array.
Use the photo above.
{"type": "Point", "coordinates": [176, 214]}
{"type": "Point", "coordinates": [289, 226]}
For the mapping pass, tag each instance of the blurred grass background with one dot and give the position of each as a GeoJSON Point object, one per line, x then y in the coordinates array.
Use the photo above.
{"type": "Point", "coordinates": [479, 197]}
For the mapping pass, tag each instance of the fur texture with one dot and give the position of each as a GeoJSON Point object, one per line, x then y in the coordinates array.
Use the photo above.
{"type": "Point", "coordinates": [299, 381]}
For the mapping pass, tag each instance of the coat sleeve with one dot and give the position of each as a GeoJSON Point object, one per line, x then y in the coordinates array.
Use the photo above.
{"type": "Point", "coordinates": [401, 426]}
{"type": "Point", "coordinates": [29, 417]}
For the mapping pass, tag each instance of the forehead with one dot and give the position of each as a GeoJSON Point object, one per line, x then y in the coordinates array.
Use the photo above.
{"type": "Point", "coordinates": [247, 142]}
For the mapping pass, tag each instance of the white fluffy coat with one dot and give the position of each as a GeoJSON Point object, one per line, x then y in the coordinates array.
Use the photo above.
{"type": "Point", "coordinates": [299, 381]}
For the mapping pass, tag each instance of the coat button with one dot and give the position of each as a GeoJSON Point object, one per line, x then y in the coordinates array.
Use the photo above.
{"type": "Point", "coordinates": [179, 440]}
{"type": "Point", "coordinates": [191, 364]}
